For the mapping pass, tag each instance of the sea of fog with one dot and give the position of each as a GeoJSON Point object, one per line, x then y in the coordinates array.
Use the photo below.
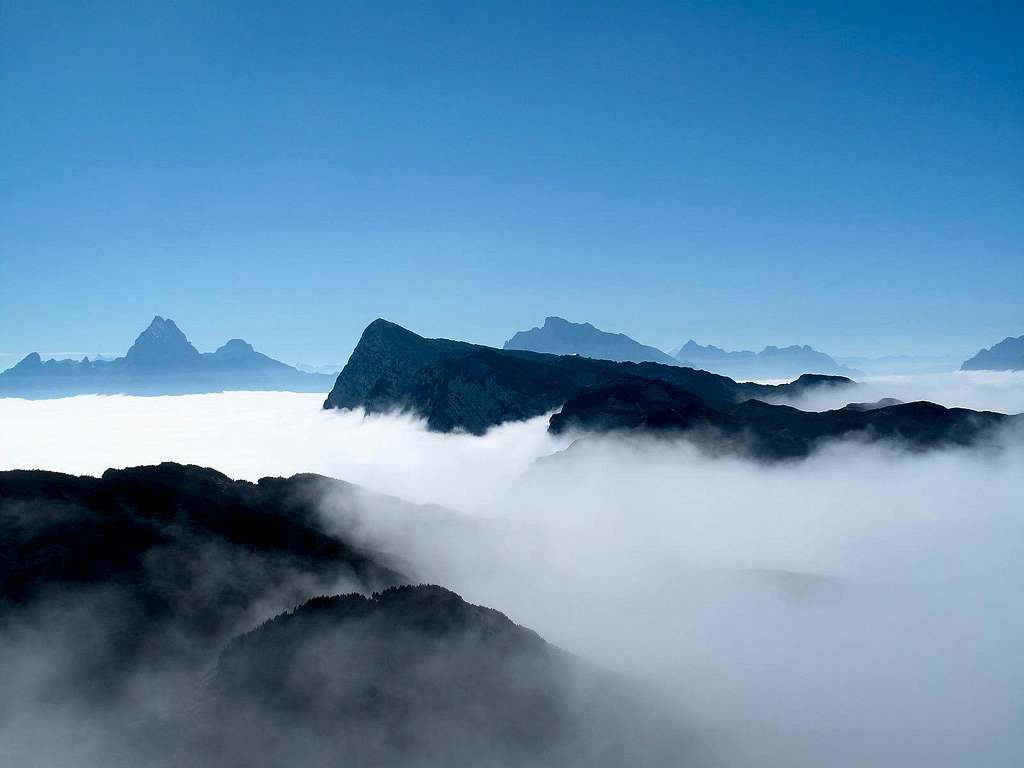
{"type": "Point", "coordinates": [858, 608]}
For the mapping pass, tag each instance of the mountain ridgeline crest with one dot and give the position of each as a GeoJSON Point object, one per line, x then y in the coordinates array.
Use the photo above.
{"type": "Point", "coordinates": [458, 386]}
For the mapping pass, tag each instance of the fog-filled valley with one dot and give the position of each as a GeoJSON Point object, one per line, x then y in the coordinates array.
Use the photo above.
{"type": "Point", "coordinates": [858, 607]}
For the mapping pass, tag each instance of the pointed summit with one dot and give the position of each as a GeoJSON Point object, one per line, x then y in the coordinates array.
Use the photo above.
{"type": "Point", "coordinates": [30, 361]}
{"type": "Point", "coordinates": [162, 343]}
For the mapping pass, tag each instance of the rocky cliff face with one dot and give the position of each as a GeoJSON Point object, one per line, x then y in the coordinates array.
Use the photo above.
{"type": "Point", "coordinates": [459, 386]}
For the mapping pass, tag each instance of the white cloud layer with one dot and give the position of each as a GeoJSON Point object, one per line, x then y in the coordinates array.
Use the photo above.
{"type": "Point", "coordinates": [1000, 391]}
{"type": "Point", "coordinates": [858, 608]}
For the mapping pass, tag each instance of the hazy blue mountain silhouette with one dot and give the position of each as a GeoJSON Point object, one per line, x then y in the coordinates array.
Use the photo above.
{"type": "Point", "coordinates": [560, 337]}
{"type": "Point", "coordinates": [1007, 355]}
{"type": "Point", "coordinates": [162, 361]}
{"type": "Point", "coordinates": [770, 363]}
{"type": "Point", "coordinates": [455, 385]}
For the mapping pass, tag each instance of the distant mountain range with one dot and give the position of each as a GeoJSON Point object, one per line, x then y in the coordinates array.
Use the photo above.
{"type": "Point", "coordinates": [457, 386]}
{"type": "Point", "coordinates": [770, 363]}
{"type": "Point", "coordinates": [162, 361]}
{"type": "Point", "coordinates": [1007, 355]}
{"type": "Point", "coordinates": [560, 337]}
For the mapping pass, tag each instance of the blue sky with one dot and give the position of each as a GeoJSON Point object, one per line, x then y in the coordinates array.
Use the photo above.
{"type": "Point", "coordinates": [848, 175]}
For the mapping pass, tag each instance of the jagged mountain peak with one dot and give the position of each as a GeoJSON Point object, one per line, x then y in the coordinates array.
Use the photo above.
{"type": "Point", "coordinates": [30, 360]}
{"type": "Point", "coordinates": [161, 343]}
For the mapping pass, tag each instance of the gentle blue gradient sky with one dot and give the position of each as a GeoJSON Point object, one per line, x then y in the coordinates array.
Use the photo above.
{"type": "Point", "coordinates": [849, 175]}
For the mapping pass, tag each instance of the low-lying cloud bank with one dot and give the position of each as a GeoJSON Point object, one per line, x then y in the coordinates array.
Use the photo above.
{"type": "Point", "coordinates": [1000, 391]}
{"type": "Point", "coordinates": [249, 435]}
{"type": "Point", "coordinates": [858, 608]}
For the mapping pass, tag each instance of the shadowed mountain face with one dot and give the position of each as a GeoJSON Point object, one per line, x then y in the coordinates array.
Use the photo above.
{"type": "Point", "coordinates": [1007, 355]}
{"type": "Point", "coordinates": [122, 593]}
{"type": "Point", "coordinates": [417, 676]}
{"type": "Point", "coordinates": [767, 431]}
{"type": "Point", "coordinates": [560, 337]}
{"type": "Point", "coordinates": [159, 565]}
{"type": "Point", "coordinates": [769, 363]}
{"type": "Point", "coordinates": [459, 386]}
{"type": "Point", "coordinates": [160, 362]}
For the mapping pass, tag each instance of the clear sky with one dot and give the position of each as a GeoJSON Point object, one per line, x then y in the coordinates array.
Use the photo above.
{"type": "Point", "coordinates": [844, 174]}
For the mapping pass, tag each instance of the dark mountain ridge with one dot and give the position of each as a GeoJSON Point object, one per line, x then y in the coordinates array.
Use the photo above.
{"type": "Point", "coordinates": [460, 386]}
{"type": "Point", "coordinates": [415, 675]}
{"type": "Point", "coordinates": [122, 595]}
{"type": "Point", "coordinates": [560, 337]}
{"type": "Point", "coordinates": [162, 361]}
{"type": "Point", "coordinates": [174, 558]}
{"type": "Point", "coordinates": [770, 432]}
{"type": "Point", "coordinates": [456, 385]}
